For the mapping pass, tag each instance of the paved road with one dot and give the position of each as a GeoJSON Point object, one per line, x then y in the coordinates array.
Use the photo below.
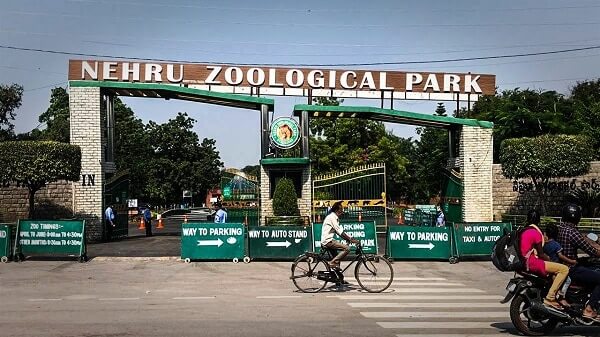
{"type": "Point", "coordinates": [165, 297]}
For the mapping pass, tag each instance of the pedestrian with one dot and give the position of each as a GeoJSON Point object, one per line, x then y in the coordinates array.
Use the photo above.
{"type": "Point", "coordinates": [109, 221]}
{"type": "Point", "coordinates": [220, 213]}
{"type": "Point", "coordinates": [440, 217]}
{"type": "Point", "coordinates": [148, 221]}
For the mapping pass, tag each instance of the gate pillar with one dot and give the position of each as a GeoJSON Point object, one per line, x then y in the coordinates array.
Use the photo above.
{"type": "Point", "coordinates": [476, 157]}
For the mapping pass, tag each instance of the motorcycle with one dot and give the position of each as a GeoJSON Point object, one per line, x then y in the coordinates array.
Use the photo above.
{"type": "Point", "coordinates": [529, 314]}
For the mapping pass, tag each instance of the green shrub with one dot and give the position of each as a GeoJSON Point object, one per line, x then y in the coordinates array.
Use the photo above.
{"type": "Point", "coordinates": [37, 163]}
{"type": "Point", "coordinates": [285, 200]}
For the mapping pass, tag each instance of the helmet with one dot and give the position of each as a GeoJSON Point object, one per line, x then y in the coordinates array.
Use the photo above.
{"type": "Point", "coordinates": [533, 217]}
{"type": "Point", "coordinates": [571, 213]}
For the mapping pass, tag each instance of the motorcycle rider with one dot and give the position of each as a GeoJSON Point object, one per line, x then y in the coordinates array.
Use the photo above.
{"type": "Point", "coordinates": [571, 240]}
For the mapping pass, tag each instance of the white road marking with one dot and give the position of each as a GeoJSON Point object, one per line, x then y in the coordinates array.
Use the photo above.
{"type": "Point", "coordinates": [119, 299]}
{"type": "Point", "coordinates": [275, 297]}
{"type": "Point", "coordinates": [425, 305]}
{"type": "Point", "coordinates": [415, 284]}
{"type": "Point", "coordinates": [194, 298]}
{"type": "Point", "coordinates": [436, 314]}
{"type": "Point", "coordinates": [436, 325]}
{"type": "Point", "coordinates": [456, 335]}
{"type": "Point", "coordinates": [418, 297]}
{"type": "Point", "coordinates": [437, 290]}
{"type": "Point", "coordinates": [419, 279]}
{"type": "Point", "coordinates": [44, 299]}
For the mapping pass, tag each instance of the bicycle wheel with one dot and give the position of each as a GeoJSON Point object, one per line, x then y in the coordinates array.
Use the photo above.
{"type": "Point", "coordinates": [374, 274]}
{"type": "Point", "coordinates": [304, 274]}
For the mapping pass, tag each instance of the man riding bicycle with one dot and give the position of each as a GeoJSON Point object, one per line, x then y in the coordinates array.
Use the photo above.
{"type": "Point", "coordinates": [331, 226]}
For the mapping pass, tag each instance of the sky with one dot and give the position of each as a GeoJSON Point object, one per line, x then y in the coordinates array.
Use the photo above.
{"type": "Point", "coordinates": [295, 32]}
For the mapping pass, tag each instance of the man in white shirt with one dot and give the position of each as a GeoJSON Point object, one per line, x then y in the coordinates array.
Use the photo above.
{"type": "Point", "coordinates": [331, 226]}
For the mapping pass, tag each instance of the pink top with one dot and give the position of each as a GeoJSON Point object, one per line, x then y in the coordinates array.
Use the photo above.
{"type": "Point", "coordinates": [529, 238]}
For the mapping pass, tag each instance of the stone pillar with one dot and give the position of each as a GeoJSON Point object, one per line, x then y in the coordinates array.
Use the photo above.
{"type": "Point", "coordinates": [266, 203]}
{"type": "Point", "coordinates": [476, 157]}
{"type": "Point", "coordinates": [86, 132]}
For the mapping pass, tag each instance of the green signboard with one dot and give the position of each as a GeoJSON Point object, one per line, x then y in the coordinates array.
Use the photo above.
{"type": "Point", "coordinates": [4, 243]}
{"type": "Point", "coordinates": [278, 242]}
{"type": "Point", "coordinates": [212, 241]}
{"type": "Point", "coordinates": [65, 237]}
{"type": "Point", "coordinates": [477, 239]}
{"type": "Point", "coordinates": [407, 242]}
{"type": "Point", "coordinates": [363, 231]}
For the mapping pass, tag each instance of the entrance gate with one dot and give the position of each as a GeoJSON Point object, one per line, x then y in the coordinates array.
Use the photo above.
{"type": "Point", "coordinates": [361, 190]}
{"type": "Point", "coordinates": [241, 196]}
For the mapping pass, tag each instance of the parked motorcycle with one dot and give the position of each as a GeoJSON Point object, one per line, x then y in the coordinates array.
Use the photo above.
{"type": "Point", "coordinates": [528, 313]}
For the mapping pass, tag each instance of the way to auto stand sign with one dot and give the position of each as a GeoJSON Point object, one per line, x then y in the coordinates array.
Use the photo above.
{"type": "Point", "coordinates": [278, 242]}
{"type": "Point", "coordinates": [407, 242]}
{"type": "Point", "coordinates": [362, 231]}
{"type": "Point", "coordinates": [212, 241]}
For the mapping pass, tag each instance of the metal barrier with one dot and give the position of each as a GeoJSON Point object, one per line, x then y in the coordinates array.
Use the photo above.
{"type": "Point", "coordinates": [213, 241]}
{"type": "Point", "coordinates": [423, 243]}
{"type": "Point", "coordinates": [362, 231]}
{"type": "Point", "coordinates": [278, 242]}
{"type": "Point", "coordinates": [477, 239]}
{"type": "Point", "coordinates": [5, 240]}
{"type": "Point", "coordinates": [50, 237]}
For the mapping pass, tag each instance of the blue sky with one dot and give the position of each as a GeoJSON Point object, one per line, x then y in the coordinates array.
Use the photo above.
{"type": "Point", "coordinates": [298, 32]}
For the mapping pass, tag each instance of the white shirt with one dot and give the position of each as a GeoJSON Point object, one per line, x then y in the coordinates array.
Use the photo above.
{"type": "Point", "coordinates": [331, 226]}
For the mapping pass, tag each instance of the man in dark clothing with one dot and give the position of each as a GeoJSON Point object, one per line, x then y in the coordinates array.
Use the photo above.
{"type": "Point", "coordinates": [148, 221]}
{"type": "Point", "coordinates": [571, 240]}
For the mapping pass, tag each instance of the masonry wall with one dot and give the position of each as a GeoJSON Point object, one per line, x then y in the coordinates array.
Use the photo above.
{"type": "Point", "coordinates": [266, 203]}
{"type": "Point", "coordinates": [55, 201]}
{"type": "Point", "coordinates": [518, 196]}
{"type": "Point", "coordinates": [476, 157]}
{"type": "Point", "coordinates": [86, 131]}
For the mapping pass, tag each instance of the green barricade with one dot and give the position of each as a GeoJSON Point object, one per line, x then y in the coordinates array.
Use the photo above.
{"type": "Point", "coordinates": [5, 236]}
{"type": "Point", "coordinates": [51, 237]}
{"type": "Point", "coordinates": [212, 241]}
{"type": "Point", "coordinates": [278, 242]}
{"type": "Point", "coordinates": [426, 243]}
{"type": "Point", "coordinates": [363, 231]}
{"type": "Point", "coordinates": [478, 238]}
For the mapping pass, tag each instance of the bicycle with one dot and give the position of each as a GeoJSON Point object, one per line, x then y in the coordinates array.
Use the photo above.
{"type": "Point", "coordinates": [311, 271]}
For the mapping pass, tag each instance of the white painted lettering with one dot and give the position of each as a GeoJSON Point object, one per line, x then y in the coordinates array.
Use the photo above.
{"type": "Point", "coordinates": [134, 72]}
{"type": "Point", "coordinates": [153, 70]}
{"type": "Point", "coordinates": [231, 79]}
{"type": "Point", "coordinates": [432, 83]}
{"type": "Point", "coordinates": [315, 79]}
{"type": "Point", "coordinates": [212, 77]}
{"type": "Point", "coordinates": [273, 78]}
{"type": "Point", "coordinates": [344, 80]}
{"type": "Point", "coordinates": [86, 68]}
{"type": "Point", "coordinates": [171, 73]}
{"type": "Point", "coordinates": [256, 76]}
{"type": "Point", "coordinates": [332, 77]}
{"type": "Point", "coordinates": [294, 74]}
{"type": "Point", "coordinates": [412, 78]}
{"type": "Point", "coordinates": [451, 83]}
{"type": "Point", "coordinates": [471, 84]}
{"type": "Point", "coordinates": [108, 68]}
{"type": "Point", "coordinates": [367, 80]}
{"type": "Point", "coordinates": [383, 81]}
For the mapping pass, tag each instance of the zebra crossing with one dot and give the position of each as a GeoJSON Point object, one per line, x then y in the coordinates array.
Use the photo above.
{"type": "Point", "coordinates": [432, 307]}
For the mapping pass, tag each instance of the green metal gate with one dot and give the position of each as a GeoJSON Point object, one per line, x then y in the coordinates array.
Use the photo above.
{"type": "Point", "coordinates": [361, 190]}
{"type": "Point", "coordinates": [241, 197]}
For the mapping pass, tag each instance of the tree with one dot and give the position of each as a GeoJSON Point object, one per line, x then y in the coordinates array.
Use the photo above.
{"type": "Point", "coordinates": [543, 158]}
{"type": "Point", "coordinates": [36, 163]}
{"type": "Point", "coordinates": [586, 107]}
{"type": "Point", "coordinates": [285, 200]}
{"type": "Point", "coordinates": [343, 143]}
{"type": "Point", "coordinates": [253, 170]}
{"type": "Point", "coordinates": [525, 113]}
{"type": "Point", "coordinates": [56, 117]}
{"type": "Point", "coordinates": [179, 161]}
{"type": "Point", "coordinates": [10, 100]}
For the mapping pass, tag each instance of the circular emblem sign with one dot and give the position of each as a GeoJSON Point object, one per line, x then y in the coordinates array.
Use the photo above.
{"type": "Point", "coordinates": [285, 132]}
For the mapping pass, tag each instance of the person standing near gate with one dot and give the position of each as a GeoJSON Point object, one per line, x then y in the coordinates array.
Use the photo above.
{"type": "Point", "coordinates": [148, 221]}
{"type": "Point", "coordinates": [220, 214]}
{"type": "Point", "coordinates": [109, 221]}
